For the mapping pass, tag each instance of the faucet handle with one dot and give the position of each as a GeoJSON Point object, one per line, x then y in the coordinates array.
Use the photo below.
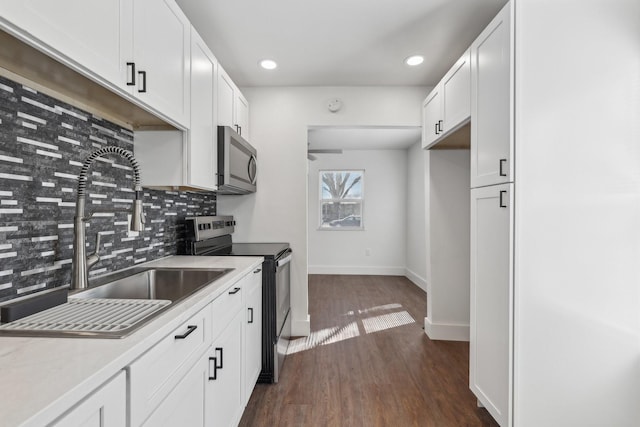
{"type": "Point", "coordinates": [97, 251]}
{"type": "Point", "coordinates": [95, 256]}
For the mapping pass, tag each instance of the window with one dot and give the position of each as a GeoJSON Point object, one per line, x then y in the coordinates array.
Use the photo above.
{"type": "Point", "coordinates": [341, 199]}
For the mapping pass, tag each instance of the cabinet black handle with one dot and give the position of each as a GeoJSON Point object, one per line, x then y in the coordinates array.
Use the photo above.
{"type": "Point", "coordinates": [215, 369]}
{"type": "Point", "coordinates": [436, 126]}
{"type": "Point", "coordinates": [221, 350]}
{"type": "Point", "coordinates": [143, 75]}
{"type": "Point", "coordinates": [234, 291]}
{"type": "Point", "coordinates": [237, 129]}
{"type": "Point", "coordinates": [251, 313]}
{"type": "Point", "coordinates": [502, 192]}
{"type": "Point", "coordinates": [256, 271]}
{"type": "Point", "coordinates": [190, 329]}
{"type": "Point", "coordinates": [132, 75]}
{"type": "Point", "coordinates": [502, 162]}
{"type": "Point", "coordinates": [440, 125]}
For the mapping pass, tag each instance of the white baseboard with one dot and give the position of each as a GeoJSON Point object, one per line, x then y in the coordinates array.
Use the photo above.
{"type": "Point", "coordinates": [359, 270]}
{"type": "Point", "coordinates": [446, 332]}
{"type": "Point", "coordinates": [417, 280]}
{"type": "Point", "coordinates": [301, 328]}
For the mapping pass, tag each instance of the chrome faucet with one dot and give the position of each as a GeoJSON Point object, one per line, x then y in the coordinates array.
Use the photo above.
{"type": "Point", "coordinates": [81, 263]}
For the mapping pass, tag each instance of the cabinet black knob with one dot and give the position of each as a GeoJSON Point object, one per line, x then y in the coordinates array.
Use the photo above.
{"type": "Point", "coordinates": [190, 329]}
{"type": "Point", "coordinates": [143, 75]}
{"type": "Point", "coordinates": [132, 73]}
{"type": "Point", "coordinates": [502, 203]}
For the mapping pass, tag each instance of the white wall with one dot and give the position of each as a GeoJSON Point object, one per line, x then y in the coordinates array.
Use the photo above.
{"type": "Point", "coordinates": [278, 121]}
{"type": "Point", "coordinates": [416, 256]}
{"type": "Point", "coordinates": [385, 205]}
{"type": "Point", "coordinates": [577, 213]}
{"type": "Point", "coordinates": [448, 225]}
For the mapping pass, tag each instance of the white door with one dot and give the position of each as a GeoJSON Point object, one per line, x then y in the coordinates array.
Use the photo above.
{"type": "Point", "coordinates": [185, 405]}
{"type": "Point", "coordinates": [203, 137]}
{"type": "Point", "coordinates": [490, 354]}
{"type": "Point", "coordinates": [96, 35]}
{"type": "Point", "coordinates": [224, 402]}
{"type": "Point", "coordinates": [491, 136]}
{"type": "Point", "coordinates": [161, 41]}
{"type": "Point", "coordinates": [253, 334]}
{"type": "Point", "coordinates": [431, 116]}
{"type": "Point", "coordinates": [105, 407]}
{"type": "Point", "coordinates": [456, 94]}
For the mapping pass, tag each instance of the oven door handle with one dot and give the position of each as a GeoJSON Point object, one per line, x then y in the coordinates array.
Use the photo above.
{"type": "Point", "coordinates": [283, 261]}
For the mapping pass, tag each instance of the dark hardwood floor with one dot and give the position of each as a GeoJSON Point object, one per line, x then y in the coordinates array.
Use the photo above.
{"type": "Point", "coordinates": [368, 363]}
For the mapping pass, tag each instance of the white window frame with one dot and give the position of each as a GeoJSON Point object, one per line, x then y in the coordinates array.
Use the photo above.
{"type": "Point", "coordinates": [321, 200]}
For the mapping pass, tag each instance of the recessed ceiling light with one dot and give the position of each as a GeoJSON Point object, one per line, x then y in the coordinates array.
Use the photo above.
{"type": "Point", "coordinates": [268, 64]}
{"type": "Point", "coordinates": [414, 60]}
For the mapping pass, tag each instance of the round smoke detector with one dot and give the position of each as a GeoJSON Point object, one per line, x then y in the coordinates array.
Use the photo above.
{"type": "Point", "coordinates": [334, 105]}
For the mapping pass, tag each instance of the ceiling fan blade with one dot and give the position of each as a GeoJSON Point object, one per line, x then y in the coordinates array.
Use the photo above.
{"type": "Point", "coordinates": [325, 151]}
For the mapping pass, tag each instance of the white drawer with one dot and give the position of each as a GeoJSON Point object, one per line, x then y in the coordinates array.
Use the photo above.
{"type": "Point", "coordinates": [227, 305]}
{"type": "Point", "coordinates": [159, 370]}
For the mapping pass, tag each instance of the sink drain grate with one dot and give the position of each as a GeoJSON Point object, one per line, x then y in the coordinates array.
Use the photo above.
{"type": "Point", "coordinates": [92, 315]}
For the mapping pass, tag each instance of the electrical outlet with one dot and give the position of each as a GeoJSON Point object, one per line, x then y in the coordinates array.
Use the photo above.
{"type": "Point", "coordinates": [129, 232]}
{"type": "Point", "coordinates": [367, 252]}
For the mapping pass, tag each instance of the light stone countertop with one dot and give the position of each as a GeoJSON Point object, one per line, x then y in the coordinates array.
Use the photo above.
{"type": "Point", "coordinates": [41, 378]}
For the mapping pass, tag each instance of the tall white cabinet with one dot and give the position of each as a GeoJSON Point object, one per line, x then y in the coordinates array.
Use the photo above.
{"type": "Point", "coordinates": [492, 204]}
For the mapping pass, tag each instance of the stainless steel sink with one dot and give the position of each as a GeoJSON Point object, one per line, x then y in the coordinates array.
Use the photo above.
{"type": "Point", "coordinates": [170, 284]}
{"type": "Point", "coordinates": [116, 305]}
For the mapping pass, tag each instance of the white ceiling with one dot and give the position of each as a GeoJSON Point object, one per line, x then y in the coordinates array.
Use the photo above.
{"type": "Point", "coordinates": [363, 138]}
{"type": "Point", "coordinates": [338, 42]}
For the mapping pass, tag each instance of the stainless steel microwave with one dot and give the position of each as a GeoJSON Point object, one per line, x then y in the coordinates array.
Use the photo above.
{"type": "Point", "coordinates": [237, 163]}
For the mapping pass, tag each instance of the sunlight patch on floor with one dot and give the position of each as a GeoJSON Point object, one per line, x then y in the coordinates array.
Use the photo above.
{"type": "Point", "coordinates": [323, 337]}
{"type": "Point", "coordinates": [352, 330]}
{"type": "Point", "coordinates": [386, 321]}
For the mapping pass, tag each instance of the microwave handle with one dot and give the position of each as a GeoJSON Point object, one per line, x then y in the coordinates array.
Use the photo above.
{"type": "Point", "coordinates": [252, 169]}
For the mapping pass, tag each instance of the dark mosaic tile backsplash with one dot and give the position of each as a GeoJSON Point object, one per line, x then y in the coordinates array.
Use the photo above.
{"type": "Point", "coordinates": [43, 143]}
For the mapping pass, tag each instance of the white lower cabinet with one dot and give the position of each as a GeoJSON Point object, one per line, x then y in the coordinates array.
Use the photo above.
{"type": "Point", "coordinates": [203, 372]}
{"type": "Point", "coordinates": [253, 333]}
{"type": "Point", "coordinates": [223, 396]}
{"type": "Point", "coordinates": [185, 405]}
{"type": "Point", "coordinates": [105, 407]}
{"type": "Point", "coordinates": [490, 347]}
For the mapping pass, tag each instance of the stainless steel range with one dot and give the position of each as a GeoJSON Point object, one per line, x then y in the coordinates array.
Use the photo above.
{"type": "Point", "coordinates": [211, 235]}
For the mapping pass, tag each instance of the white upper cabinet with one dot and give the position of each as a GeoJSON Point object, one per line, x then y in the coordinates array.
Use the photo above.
{"type": "Point", "coordinates": [491, 82]}
{"type": "Point", "coordinates": [233, 108]}
{"type": "Point", "coordinates": [456, 95]}
{"type": "Point", "coordinates": [93, 35]}
{"type": "Point", "coordinates": [161, 44]}
{"type": "Point", "coordinates": [447, 107]}
{"type": "Point", "coordinates": [136, 48]}
{"type": "Point", "coordinates": [431, 118]}
{"type": "Point", "coordinates": [202, 150]}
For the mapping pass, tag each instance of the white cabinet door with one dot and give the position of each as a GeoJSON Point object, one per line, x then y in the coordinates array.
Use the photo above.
{"type": "Point", "coordinates": [93, 35]}
{"type": "Point", "coordinates": [161, 40]}
{"type": "Point", "coordinates": [490, 347]}
{"type": "Point", "coordinates": [253, 334]}
{"type": "Point", "coordinates": [185, 405]}
{"type": "Point", "coordinates": [202, 157]}
{"type": "Point", "coordinates": [106, 407]}
{"type": "Point", "coordinates": [491, 136]}
{"type": "Point", "coordinates": [456, 94]}
{"type": "Point", "coordinates": [226, 99]}
{"type": "Point", "coordinates": [223, 397]}
{"type": "Point", "coordinates": [242, 114]}
{"type": "Point", "coordinates": [430, 118]}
